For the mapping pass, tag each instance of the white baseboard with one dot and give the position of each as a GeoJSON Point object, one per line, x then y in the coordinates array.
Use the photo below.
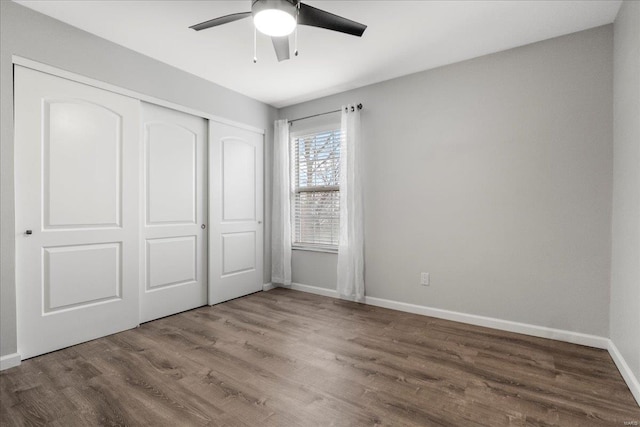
{"type": "Point", "coordinates": [491, 322]}
{"type": "Point", "coordinates": [268, 286]}
{"type": "Point", "coordinates": [472, 319]}
{"type": "Point", "coordinates": [9, 361]}
{"type": "Point", "coordinates": [315, 290]}
{"type": "Point", "coordinates": [625, 371]}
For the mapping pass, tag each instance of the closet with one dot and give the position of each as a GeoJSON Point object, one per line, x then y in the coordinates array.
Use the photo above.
{"type": "Point", "coordinates": [126, 211]}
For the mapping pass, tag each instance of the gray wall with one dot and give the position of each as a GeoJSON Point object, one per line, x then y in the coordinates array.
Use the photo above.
{"type": "Point", "coordinates": [314, 268]}
{"type": "Point", "coordinates": [625, 262]}
{"type": "Point", "coordinates": [495, 176]}
{"type": "Point", "coordinates": [32, 35]}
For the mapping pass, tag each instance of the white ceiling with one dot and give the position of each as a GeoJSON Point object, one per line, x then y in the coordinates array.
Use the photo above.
{"type": "Point", "coordinates": [402, 37]}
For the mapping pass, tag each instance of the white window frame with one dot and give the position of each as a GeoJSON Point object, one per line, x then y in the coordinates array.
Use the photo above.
{"type": "Point", "coordinates": [325, 126]}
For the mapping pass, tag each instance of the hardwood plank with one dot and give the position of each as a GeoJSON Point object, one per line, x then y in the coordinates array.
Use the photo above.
{"type": "Point", "coordinates": [286, 358]}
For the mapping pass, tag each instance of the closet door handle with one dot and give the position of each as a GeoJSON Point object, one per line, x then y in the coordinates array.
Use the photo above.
{"type": "Point", "coordinates": [203, 226]}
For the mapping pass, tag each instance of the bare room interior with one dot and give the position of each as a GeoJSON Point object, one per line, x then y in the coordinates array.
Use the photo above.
{"type": "Point", "coordinates": [320, 213]}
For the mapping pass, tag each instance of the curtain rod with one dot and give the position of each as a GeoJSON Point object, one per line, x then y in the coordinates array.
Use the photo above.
{"type": "Point", "coordinates": [322, 114]}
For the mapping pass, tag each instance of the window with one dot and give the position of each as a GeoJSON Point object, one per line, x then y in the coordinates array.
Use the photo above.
{"type": "Point", "coordinates": [316, 196]}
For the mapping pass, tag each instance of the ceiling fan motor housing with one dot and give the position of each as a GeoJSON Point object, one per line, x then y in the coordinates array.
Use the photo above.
{"type": "Point", "coordinates": [288, 6]}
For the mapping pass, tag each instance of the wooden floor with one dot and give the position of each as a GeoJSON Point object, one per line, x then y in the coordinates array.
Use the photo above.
{"type": "Point", "coordinates": [286, 358]}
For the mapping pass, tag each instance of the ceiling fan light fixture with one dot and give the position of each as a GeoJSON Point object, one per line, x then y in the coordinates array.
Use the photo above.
{"type": "Point", "coordinates": [275, 18]}
{"type": "Point", "coordinates": [274, 22]}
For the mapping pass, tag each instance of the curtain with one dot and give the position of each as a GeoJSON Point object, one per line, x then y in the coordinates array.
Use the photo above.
{"type": "Point", "coordinates": [280, 210]}
{"type": "Point", "coordinates": [351, 243]}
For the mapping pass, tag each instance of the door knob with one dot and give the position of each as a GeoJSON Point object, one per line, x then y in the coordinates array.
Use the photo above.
{"type": "Point", "coordinates": [28, 232]}
{"type": "Point", "coordinates": [259, 222]}
{"type": "Point", "coordinates": [203, 226]}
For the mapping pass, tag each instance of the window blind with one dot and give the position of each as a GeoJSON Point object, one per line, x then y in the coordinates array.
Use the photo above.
{"type": "Point", "coordinates": [316, 204]}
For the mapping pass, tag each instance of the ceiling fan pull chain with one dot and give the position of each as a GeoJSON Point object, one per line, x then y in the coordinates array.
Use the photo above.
{"type": "Point", "coordinates": [255, 49]}
{"type": "Point", "coordinates": [295, 36]}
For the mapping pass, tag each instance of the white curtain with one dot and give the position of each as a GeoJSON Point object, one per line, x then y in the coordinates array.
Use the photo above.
{"type": "Point", "coordinates": [280, 212]}
{"type": "Point", "coordinates": [351, 244]}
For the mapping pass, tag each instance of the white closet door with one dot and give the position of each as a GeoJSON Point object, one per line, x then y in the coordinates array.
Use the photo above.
{"type": "Point", "coordinates": [77, 156]}
{"type": "Point", "coordinates": [236, 212]}
{"type": "Point", "coordinates": [174, 276]}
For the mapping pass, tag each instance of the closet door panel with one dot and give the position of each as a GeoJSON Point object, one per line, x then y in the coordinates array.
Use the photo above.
{"type": "Point", "coordinates": [236, 200]}
{"type": "Point", "coordinates": [171, 160]}
{"type": "Point", "coordinates": [174, 277]}
{"type": "Point", "coordinates": [77, 157]}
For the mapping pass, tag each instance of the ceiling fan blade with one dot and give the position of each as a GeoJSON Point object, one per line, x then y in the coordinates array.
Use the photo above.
{"type": "Point", "coordinates": [281, 46]}
{"type": "Point", "coordinates": [314, 17]}
{"type": "Point", "coordinates": [221, 20]}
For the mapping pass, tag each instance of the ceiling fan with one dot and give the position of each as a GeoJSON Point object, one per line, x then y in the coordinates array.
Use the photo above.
{"type": "Point", "coordinates": [279, 18]}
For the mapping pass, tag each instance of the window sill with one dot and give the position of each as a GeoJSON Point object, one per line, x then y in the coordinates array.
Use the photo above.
{"type": "Point", "coordinates": [315, 249]}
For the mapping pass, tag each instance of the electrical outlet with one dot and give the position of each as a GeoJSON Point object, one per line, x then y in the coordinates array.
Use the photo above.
{"type": "Point", "coordinates": [424, 279]}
